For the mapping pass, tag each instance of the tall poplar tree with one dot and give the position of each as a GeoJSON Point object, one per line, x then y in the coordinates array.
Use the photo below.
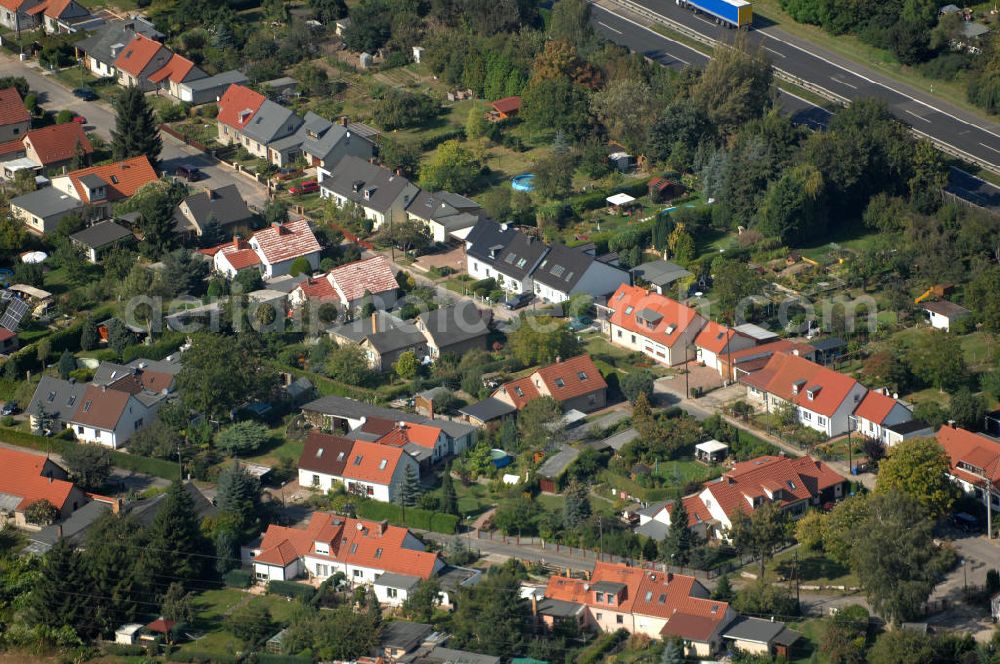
{"type": "Point", "coordinates": [136, 131]}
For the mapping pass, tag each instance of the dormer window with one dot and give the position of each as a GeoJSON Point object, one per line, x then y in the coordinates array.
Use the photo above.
{"type": "Point", "coordinates": [560, 382]}
{"type": "Point", "coordinates": [599, 596]}
{"type": "Point", "coordinates": [797, 386]}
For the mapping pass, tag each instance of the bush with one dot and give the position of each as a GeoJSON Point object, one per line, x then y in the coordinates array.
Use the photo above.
{"type": "Point", "coordinates": [242, 438]}
{"type": "Point", "coordinates": [603, 644]}
{"type": "Point", "coordinates": [398, 109]}
{"type": "Point", "coordinates": [238, 578]}
{"type": "Point", "coordinates": [158, 350]}
{"type": "Point", "coordinates": [290, 589]}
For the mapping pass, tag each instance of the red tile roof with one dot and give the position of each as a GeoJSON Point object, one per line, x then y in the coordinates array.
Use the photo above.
{"type": "Point", "coordinates": [373, 275]}
{"type": "Point", "coordinates": [22, 477]}
{"type": "Point", "coordinates": [123, 178]}
{"type": "Point", "coordinates": [240, 258]}
{"type": "Point", "coordinates": [571, 378]}
{"type": "Point", "coordinates": [696, 509]}
{"type": "Point", "coordinates": [351, 541]}
{"type": "Point", "coordinates": [715, 337]}
{"type": "Point", "coordinates": [282, 242]}
{"type": "Point", "coordinates": [161, 625]}
{"type": "Point", "coordinates": [176, 69]}
{"type": "Point", "coordinates": [12, 5]}
{"type": "Point", "coordinates": [238, 100]}
{"type": "Point", "coordinates": [12, 109]}
{"type": "Point", "coordinates": [757, 357]}
{"type": "Point", "coordinates": [507, 105]}
{"type": "Point", "coordinates": [10, 147]}
{"type": "Point", "coordinates": [101, 408]}
{"type": "Point", "coordinates": [137, 54]}
{"type": "Point", "coordinates": [423, 435]}
{"type": "Point", "coordinates": [875, 407]}
{"type": "Point", "coordinates": [519, 391]}
{"type": "Point", "coordinates": [318, 288]}
{"type": "Point", "coordinates": [674, 318]}
{"type": "Point", "coordinates": [793, 378]}
{"type": "Point", "coordinates": [55, 8]}
{"type": "Point", "coordinates": [57, 143]}
{"type": "Point", "coordinates": [965, 448]}
{"type": "Point", "coordinates": [371, 462]}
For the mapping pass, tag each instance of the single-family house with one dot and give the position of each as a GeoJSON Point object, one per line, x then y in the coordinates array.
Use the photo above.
{"type": "Point", "coordinates": [100, 238]}
{"type": "Point", "coordinates": [367, 468]}
{"type": "Point", "coordinates": [498, 251]}
{"type": "Point", "coordinates": [661, 275]}
{"type": "Point", "coordinates": [42, 209]}
{"type": "Point", "coordinates": [575, 383]}
{"type": "Point", "coordinates": [794, 484]}
{"type": "Point", "coordinates": [249, 119]}
{"type": "Point", "coordinates": [824, 400]}
{"type": "Point", "coordinates": [942, 314]}
{"type": "Point", "coordinates": [647, 602]}
{"type": "Point", "coordinates": [716, 342]}
{"type": "Point", "coordinates": [352, 285]}
{"type": "Point", "coordinates": [568, 271]}
{"type": "Point", "coordinates": [28, 478]}
{"type": "Point", "coordinates": [362, 550]}
{"type": "Point", "coordinates": [102, 47]}
{"type": "Point", "coordinates": [57, 400]}
{"type": "Point", "coordinates": [975, 462]}
{"type": "Point", "coordinates": [326, 143]}
{"type": "Point", "coordinates": [14, 117]}
{"type": "Point", "coordinates": [208, 89]}
{"type": "Point", "coordinates": [62, 16]}
{"type": "Point", "coordinates": [147, 64]}
{"type": "Point", "coordinates": [657, 326]}
{"type": "Point", "coordinates": [223, 206]}
{"type": "Point", "coordinates": [381, 194]}
{"type": "Point", "coordinates": [456, 328]}
{"type": "Point", "coordinates": [876, 413]}
{"type": "Point", "coordinates": [383, 337]}
{"type": "Point", "coordinates": [271, 250]}
{"type": "Point", "coordinates": [447, 216]}
{"type": "Point", "coordinates": [49, 149]}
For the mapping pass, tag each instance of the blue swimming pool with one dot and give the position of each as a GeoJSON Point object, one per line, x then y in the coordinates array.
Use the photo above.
{"type": "Point", "coordinates": [523, 182]}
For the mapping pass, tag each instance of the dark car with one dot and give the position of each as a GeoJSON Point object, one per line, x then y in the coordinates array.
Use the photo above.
{"type": "Point", "coordinates": [188, 172]}
{"type": "Point", "coordinates": [518, 301]}
{"type": "Point", "coordinates": [85, 94]}
{"type": "Point", "coordinates": [9, 408]}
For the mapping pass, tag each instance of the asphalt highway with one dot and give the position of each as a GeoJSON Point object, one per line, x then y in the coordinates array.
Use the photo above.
{"type": "Point", "coordinates": [674, 54]}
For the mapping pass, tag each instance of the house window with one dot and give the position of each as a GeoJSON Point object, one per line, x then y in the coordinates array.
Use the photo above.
{"type": "Point", "coordinates": [371, 491]}
{"type": "Point", "coordinates": [392, 593]}
{"type": "Point", "coordinates": [633, 338]}
{"type": "Point", "coordinates": [358, 573]}
{"type": "Point", "coordinates": [600, 617]}
{"type": "Point", "coordinates": [560, 382]}
{"type": "Point", "coordinates": [315, 481]}
{"type": "Point", "coordinates": [582, 375]}
{"type": "Point", "coordinates": [262, 576]}
{"type": "Point", "coordinates": [378, 553]}
{"type": "Point", "coordinates": [592, 399]}
{"type": "Point", "coordinates": [599, 596]}
{"type": "Point", "coordinates": [620, 619]}
{"type": "Point", "coordinates": [820, 420]}
{"type": "Point", "coordinates": [354, 548]}
{"type": "Point", "coordinates": [322, 570]}
{"type": "Point", "coordinates": [806, 415]}
{"type": "Point", "coordinates": [619, 334]}
{"type": "Point", "coordinates": [79, 430]}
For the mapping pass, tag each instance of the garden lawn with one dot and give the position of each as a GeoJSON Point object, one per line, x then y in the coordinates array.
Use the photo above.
{"type": "Point", "coordinates": [814, 568]}
{"type": "Point", "coordinates": [812, 631]}
{"type": "Point", "coordinates": [211, 609]}
{"type": "Point", "coordinates": [682, 471]}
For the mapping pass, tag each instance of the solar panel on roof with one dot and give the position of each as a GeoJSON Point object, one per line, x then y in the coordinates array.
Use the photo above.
{"type": "Point", "coordinates": [16, 311]}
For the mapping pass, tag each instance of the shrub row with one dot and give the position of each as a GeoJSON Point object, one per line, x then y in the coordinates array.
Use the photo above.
{"type": "Point", "coordinates": [159, 349]}
{"type": "Point", "coordinates": [193, 657]}
{"type": "Point", "coordinates": [605, 643]}
{"type": "Point", "coordinates": [436, 140]}
{"type": "Point", "coordinates": [290, 589]}
{"type": "Point", "coordinates": [157, 467]}
{"type": "Point", "coordinates": [438, 522]}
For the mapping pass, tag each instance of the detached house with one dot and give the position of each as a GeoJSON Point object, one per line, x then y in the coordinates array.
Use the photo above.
{"type": "Point", "coordinates": [879, 417]}
{"type": "Point", "coordinates": [575, 383]}
{"type": "Point", "coordinates": [327, 143]}
{"type": "Point", "coordinates": [223, 206]}
{"type": "Point", "coordinates": [498, 251]}
{"type": "Point", "coordinates": [383, 196]}
{"type": "Point", "coordinates": [652, 324]}
{"type": "Point", "coordinates": [565, 272]}
{"type": "Point", "coordinates": [149, 65]}
{"type": "Point", "coordinates": [14, 117]}
{"type": "Point", "coordinates": [28, 478]}
{"type": "Point", "coordinates": [824, 400]}
{"type": "Point", "coordinates": [716, 343]}
{"type": "Point", "coordinates": [351, 285]}
{"type": "Point", "coordinates": [975, 462]}
{"type": "Point", "coordinates": [363, 467]}
{"type": "Point", "coordinates": [362, 550]}
{"type": "Point", "coordinates": [793, 484]}
{"type": "Point", "coordinates": [447, 216]}
{"type": "Point", "coordinates": [271, 250]}
{"type": "Point", "coordinates": [265, 129]}
{"type": "Point", "coordinates": [454, 329]}
{"type": "Point", "coordinates": [48, 149]}
{"type": "Point", "coordinates": [102, 47]}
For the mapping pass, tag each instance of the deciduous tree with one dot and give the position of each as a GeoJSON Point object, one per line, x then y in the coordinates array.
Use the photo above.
{"type": "Point", "coordinates": [88, 464]}
{"type": "Point", "coordinates": [919, 468]}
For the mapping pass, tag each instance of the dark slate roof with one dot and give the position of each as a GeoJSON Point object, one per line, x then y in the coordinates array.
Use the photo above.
{"type": "Point", "coordinates": [608, 587]}
{"type": "Point", "coordinates": [452, 578]}
{"type": "Point", "coordinates": [225, 204]}
{"type": "Point", "coordinates": [394, 338]}
{"type": "Point", "coordinates": [831, 343]}
{"type": "Point", "coordinates": [558, 608]}
{"type": "Point", "coordinates": [145, 511]}
{"type": "Point", "coordinates": [73, 528]}
{"type": "Point", "coordinates": [757, 630]}
{"type": "Point", "coordinates": [327, 136]}
{"type": "Point", "coordinates": [556, 464]}
{"type": "Point", "coordinates": [392, 580]}
{"type": "Point", "coordinates": [660, 273]}
{"type": "Point", "coordinates": [98, 45]}
{"type": "Point", "coordinates": [46, 202]}
{"type": "Point", "coordinates": [487, 410]}
{"type": "Point", "coordinates": [655, 530]}
{"type": "Point", "coordinates": [520, 255]}
{"type": "Point", "coordinates": [353, 172]}
{"type": "Point", "coordinates": [485, 235]}
{"type": "Point", "coordinates": [360, 329]}
{"type": "Point", "coordinates": [619, 440]}
{"type": "Point", "coordinates": [223, 80]}
{"type": "Point", "coordinates": [454, 324]}
{"type": "Point", "coordinates": [451, 211]}
{"type": "Point", "coordinates": [450, 656]}
{"type": "Point", "coordinates": [904, 428]}
{"type": "Point", "coordinates": [272, 122]}
{"type": "Point", "coordinates": [403, 634]}
{"type": "Point", "coordinates": [344, 407]}
{"type": "Point", "coordinates": [101, 234]}
{"type": "Point", "coordinates": [60, 398]}
{"type": "Point", "coordinates": [562, 268]}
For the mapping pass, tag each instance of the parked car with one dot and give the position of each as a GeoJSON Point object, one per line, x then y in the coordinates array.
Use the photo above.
{"type": "Point", "coordinates": [85, 94]}
{"type": "Point", "coordinates": [9, 408]}
{"type": "Point", "coordinates": [79, 119]}
{"type": "Point", "coordinates": [518, 301]}
{"type": "Point", "coordinates": [188, 172]}
{"type": "Point", "coordinates": [305, 187]}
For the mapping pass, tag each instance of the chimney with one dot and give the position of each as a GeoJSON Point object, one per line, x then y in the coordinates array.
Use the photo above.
{"type": "Point", "coordinates": [59, 531]}
{"type": "Point", "coordinates": [236, 242]}
{"type": "Point", "coordinates": [503, 226]}
{"type": "Point", "coordinates": [383, 525]}
{"type": "Point", "coordinates": [399, 172]}
{"type": "Point", "coordinates": [104, 388]}
{"type": "Point", "coordinates": [670, 577]}
{"type": "Point", "coordinates": [50, 479]}
{"type": "Point", "coordinates": [374, 322]}
{"type": "Point", "coordinates": [343, 120]}
{"type": "Point", "coordinates": [534, 605]}
{"type": "Point", "coordinates": [558, 359]}
{"type": "Point", "coordinates": [951, 423]}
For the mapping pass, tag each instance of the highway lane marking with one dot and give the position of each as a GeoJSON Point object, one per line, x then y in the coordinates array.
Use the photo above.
{"type": "Point", "coordinates": [837, 80]}
{"type": "Point", "coordinates": [779, 54]}
{"type": "Point", "coordinates": [609, 27]}
{"type": "Point", "coordinates": [990, 147]}
{"type": "Point", "coordinates": [654, 32]}
{"type": "Point", "coordinates": [919, 117]}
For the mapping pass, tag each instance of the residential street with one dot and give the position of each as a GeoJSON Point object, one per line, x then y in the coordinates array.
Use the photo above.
{"type": "Point", "coordinates": [54, 96]}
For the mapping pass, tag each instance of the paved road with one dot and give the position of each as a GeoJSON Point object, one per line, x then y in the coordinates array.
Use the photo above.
{"type": "Point", "coordinates": [641, 39]}
{"type": "Point", "coordinates": [54, 96]}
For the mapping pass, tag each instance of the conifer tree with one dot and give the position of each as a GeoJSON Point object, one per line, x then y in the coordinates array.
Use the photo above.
{"type": "Point", "coordinates": [177, 547]}
{"type": "Point", "coordinates": [449, 499]}
{"type": "Point", "coordinates": [409, 490]}
{"type": "Point", "coordinates": [680, 541]}
{"type": "Point", "coordinates": [60, 594]}
{"type": "Point", "coordinates": [136, 131]}
{"type": "Point", "coordinates": [238, 498]}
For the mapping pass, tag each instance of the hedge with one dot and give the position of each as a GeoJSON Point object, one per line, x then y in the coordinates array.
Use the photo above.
{"type": "Point", "coordinates": [201, 657]}
{"type": "Point", "coordinates": [238, 578]}
{"type": "Point", "coordinates": [605, 643]}
{"type": "Point", "coordinates": [159, 349]}
{"type": "Point", "coordinates": [123, 650]}
{"type": "Point", "coordinates": [269, 658]}
{"type": "Point", "coordinates": [290, 589]}
{"type": "Point", "coordinates": [438, 522]}
{"type": "Point", "coordinates": [139, 464]}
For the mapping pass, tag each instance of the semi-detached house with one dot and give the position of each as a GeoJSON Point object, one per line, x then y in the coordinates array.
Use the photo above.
{"type": "Point", "coordinates": [149, 65]}
{"type": "Point", "coordinates": [824, 400]}
{"type": "Point", "coordinates": [248, 119]}
{"type": "Point", "coordinates": [102, 47]}
{"type": "Point", "coordinates": [380, 194]}
{"type": "Point", "coordinates": [500, 252]}
{"type": "Point", "coordinates": [716, 343]}
{"type": "Point", "coordinates": [574, 383]}
{"type": "Point", "coordinates": [366, 468]}
{"type": "Point", "coordinates": [568, 271]}
{"type": "Point", "coordinates": [271, 250]}
{"type": "Point", "coordinates": [656, 326]}
{"type": "Point", "coordinates": [49, 149]}
{"type": "Point", "coordinates": [879, 416]}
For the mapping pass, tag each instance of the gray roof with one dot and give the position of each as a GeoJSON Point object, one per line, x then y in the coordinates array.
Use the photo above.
{"type": "Point", "coordinates": [660, 273]}
{"type": "Point", "coordinates": [222, 81]}
{"type": "Point", "coordinates": [558, 608]}
{"type": "Point", "coordinates": [453, 428]}
{"type": "Point", "coordinates": [405, 335]}
{"type": "Point", "coordinates": [349, 408]}
{"type": "Point", "coordinates": [655, 530]}
{"type": "Point", "coordinates": [286, 284]}
{"type": "Point", "coordinates": [170, 366]}
{"type": "Point", "coordinates": [757, 630]}
{"type": "Point", "coordinates": [608, 587]}
{"type": "Point", "coordinates": [904, 428]}
{"type": "Point", "coordinates": [225, 204]}
{"type": "Point", "coordinates": [404, 634]}
{"type": "Point", "coordinates": [72, 528]}
{"type": "Point", "coordinates": [454, 324]}
{"type": "Point", "coordinates": [352, 176]}
{"type": "Point", "coordinates": [972, 30]}
{"type": "Point", "coordinates": [520, 256]}
{"type": "Point", "coordinates": [101, 234]}
{"type": "Point", "coordinates": [58, 397]}
{"type": "Point", "coordinates": [556, 464]}
{"type": "Point", "coordinates": [108, 372]}
{"type": "Point", "coordinates": [831, 343]}
{"type": "Point", "coordinates": [145, 511]}
{"type": "Point", "coordinates": [450, 656]}
{"type": "Point", "coordinates": [652, 509]}
{"type": "Point", "coordinates": [563, 267]}
{"type": "Point", "coordinates": [92, 181]}
{"type": "Point", "coordinates": [46, 203]}
{"type": "Point", "coordinates": [452, 578]}
{"type": "Point", "coordinates": [434, 392]}
{"type": "Point", "coordinates": [440, 209]}
{"type": "Point", "coordinates": [391, 580]}
{"type": "Point", "coordinates": [487, 410]}
{"type": "Point", "coordinates": [98, 45]}
{"type": "Point", "coordinates": [272, 122]}
{"type": "Point", "coordinates": [360, 329]}
{"type": "Point", "coordinates": [619, 440]}
{"type": "Point", "coordinates": [326, 136]}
